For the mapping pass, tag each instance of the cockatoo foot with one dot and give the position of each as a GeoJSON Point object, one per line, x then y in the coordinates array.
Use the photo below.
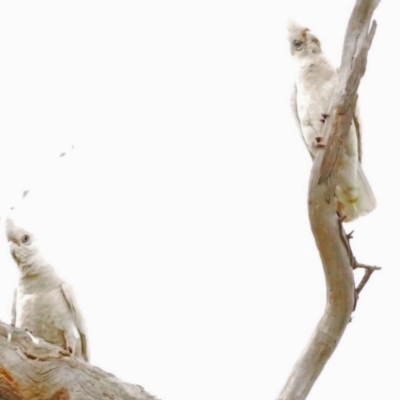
{"type": "Point", "coordinates": [68, 348]}
{"type": "Point", "coordinates": [324, 117]}
{"type": "Point", "coordinates": [318, 143]}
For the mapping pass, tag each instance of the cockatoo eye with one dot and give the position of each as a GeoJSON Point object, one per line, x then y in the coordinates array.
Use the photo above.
{"type": "Point", "coordinates": [25, 239]}
{"type": "Point", "coordinates": [298, 44]}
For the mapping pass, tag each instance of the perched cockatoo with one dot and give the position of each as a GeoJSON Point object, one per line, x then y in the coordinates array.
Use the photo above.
{"type": "Point", "coordinates": [43, 303]}
{"type": "Point", "coordinates": [316, 80]}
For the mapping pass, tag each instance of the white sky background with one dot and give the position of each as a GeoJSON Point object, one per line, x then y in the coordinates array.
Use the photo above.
{"type": "Point", "coordinates": [181, 217]}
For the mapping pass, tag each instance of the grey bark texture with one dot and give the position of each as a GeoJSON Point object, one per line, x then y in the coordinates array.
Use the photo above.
{"type": "Point", "coordinates": [35, 370]}
{"type": "Point", "coordinates": [332, 243]}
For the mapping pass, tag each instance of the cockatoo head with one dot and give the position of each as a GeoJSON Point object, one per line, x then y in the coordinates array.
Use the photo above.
{"type": "Point", "coordinates": [22, 246]}
{"type": "Point", "coordinates": [302, 42]}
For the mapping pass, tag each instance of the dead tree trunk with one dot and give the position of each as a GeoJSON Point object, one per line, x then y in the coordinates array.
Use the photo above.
{"type": "Point", "coordinates": [31, 369]}
{"type": "Point", "coordinates": [332, 242]}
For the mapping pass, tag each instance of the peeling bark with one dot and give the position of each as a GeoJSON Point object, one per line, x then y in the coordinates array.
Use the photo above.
{"type": "Point", "coordinates": [31, 369]}
{"type": "Point", "coordinates": [331, 240]}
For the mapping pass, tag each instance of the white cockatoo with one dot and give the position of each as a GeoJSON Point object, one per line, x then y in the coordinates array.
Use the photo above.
{"type": "Point", "coordinates": [315, 83]}
{"type": "Point", "coordinates": [43, 303]}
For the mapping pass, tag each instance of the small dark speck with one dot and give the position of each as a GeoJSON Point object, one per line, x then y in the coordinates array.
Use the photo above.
{"type": "Point", "coordinates": [24, 193]}
{"type": "Point", "coordinates": [62, 154]}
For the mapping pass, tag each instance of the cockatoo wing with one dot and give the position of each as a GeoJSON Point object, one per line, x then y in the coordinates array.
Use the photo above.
{"type": "Point", "coordinates": [357, 125]}
{"type": "Point", "coordinates": [14, 309]}
{"type": "Point", "coordinates": [356, 121]}
{"type": "Point", "coordinates": [293, 106]}
{"type": "Point", "coordinates": [77, 317]}
{"type": "Point", "coordinates": [354, 191]}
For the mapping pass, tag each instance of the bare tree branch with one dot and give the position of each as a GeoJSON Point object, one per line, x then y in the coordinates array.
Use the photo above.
{"type": "Point", "coordinates": [332, 242]}
{"type": "Point", "coordinates": [31, 369]}
{"type": "Point", "coordinates": [368, 271]}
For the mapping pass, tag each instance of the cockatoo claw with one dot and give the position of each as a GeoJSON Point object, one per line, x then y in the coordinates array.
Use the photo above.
{"type": "Point", "coordinates": [324, 117]}
{"type": "Point", "coordinates": [69, 348]}
{"type": "Point", "coordinates": [319, 144]}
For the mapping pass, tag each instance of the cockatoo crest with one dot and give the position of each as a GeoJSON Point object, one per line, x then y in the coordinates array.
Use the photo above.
{"type": "Point", "coordinates": [302, 41]}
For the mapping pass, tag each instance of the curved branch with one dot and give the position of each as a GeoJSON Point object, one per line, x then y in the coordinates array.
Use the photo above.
{"type": "Point", "coordinates": [33, 369]}
{"type": "Point", "coordinates": [332, 244]}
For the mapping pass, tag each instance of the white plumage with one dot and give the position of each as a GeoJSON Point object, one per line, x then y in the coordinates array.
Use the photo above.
{"type": "Point", "coordinates": [316, 80]}
{"type": "Point", "coordinates": [43, 303]}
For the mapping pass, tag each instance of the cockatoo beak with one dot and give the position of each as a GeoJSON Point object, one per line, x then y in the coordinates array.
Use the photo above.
{"type": "Point", "coordinates": [10, 230]}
